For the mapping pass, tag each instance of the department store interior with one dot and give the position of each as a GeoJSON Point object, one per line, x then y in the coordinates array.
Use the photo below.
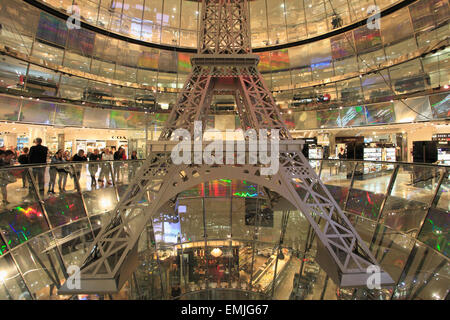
{"type": "Point", "coordinates": [371, 105]}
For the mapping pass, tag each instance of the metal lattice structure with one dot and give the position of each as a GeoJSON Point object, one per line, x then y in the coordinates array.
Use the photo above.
{"type": "Point", "coordinates": [224, 63]}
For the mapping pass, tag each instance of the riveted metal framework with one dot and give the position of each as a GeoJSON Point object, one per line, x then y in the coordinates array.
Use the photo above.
{"type": "Point", "coordinates": [224, 62]}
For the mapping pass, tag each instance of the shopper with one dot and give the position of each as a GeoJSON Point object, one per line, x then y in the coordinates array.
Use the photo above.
{"type": "Point", "coordinates": [62, 170]}
{"type": "Point", "coordinates": [66, 155]}
{"type": "Point", "coordinates": [6, 177]}
{"type": "Point", "coordinates": [38, 155]}
{"type": "Point", "coordinates": [106, 167]}
{"type": "Point", "coordinates": [79, 157]}
{"type": "Point", "coordinates": [94, 157]}
{"type": "Point", "coordinates": [118, 156]}
{"type": "Point", "coordinates": [23, 159]}
{"type": "Point", "coordinates": [132, 166]}
{"type": "Point", "coordinates": [57, 158]}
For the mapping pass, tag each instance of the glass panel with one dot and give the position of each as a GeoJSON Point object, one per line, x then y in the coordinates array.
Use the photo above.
{"type": "Point", "coordinates": [240, 230]}
{"type": "Point", "coordinates": [41, 81]}
{"type": "Point", "coordinates": [38, 260]}
{"type": "Point", "coordinates": [72, 88]}
{"type": "Point", "coordinates": [217, 211]}
{"type": "Point", "coordinates": [12, 76]}
{"type": "Point", "coordinates": [443, 194]}
{"type": "Point", "coordinates": [364, 226]}
{"type": "Point", "coordinates": [64, 208]}
{"type": "Point", "coordinates": [337, 175]}
{"type": "Point", "coordinates": [48, 53]}
{"type": "Point", "coordinates": [74, 240]}
{"type": "Point", "coordinates": [391, 249]}
{"type": "Point", "coordinates": [435, 231]}
{"type": "Point", "coordinates": [12, 286]}
{"type": "Point", "coordinates": [77, 62]}
{"type": "Point", "coordinates": [426, 276]}
{"type": "Point", "coordinates": [295, 20]}
{"type": "Point", "coordinates": [411, 194]}
{"type": "Point", "coordinates": [258, 24]}
{"type": "Point", "coordinates": [369, 188]}
{"type": "Point", "coordinates": [21, 216]}
{"type": "Point", "coordinates": [149, 277]}
{"type": "Point", "coordinates": [191, 219]}
{"type": "Point", "coordinates": [98, 221]}
{"type": "Point", "coordinates": [167, 226]}
{"type": "Point", "coordinates": [101, 200]}
{"type": "Point", "coordinates": [3, 247]}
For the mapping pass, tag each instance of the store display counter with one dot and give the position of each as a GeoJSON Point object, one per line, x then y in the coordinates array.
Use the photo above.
{"type": "Point", "coordinates": [263, 277]}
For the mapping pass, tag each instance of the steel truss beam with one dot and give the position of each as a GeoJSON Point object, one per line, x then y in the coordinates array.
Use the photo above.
{"type": "Point", "coordinates": [224, 62]}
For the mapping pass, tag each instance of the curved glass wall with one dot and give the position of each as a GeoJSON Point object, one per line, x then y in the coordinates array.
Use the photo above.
{"type": "Point", "coordinates": [410, 52]}
{"type": "Point", "coordinates": [34, 111]}
{"type": "Point", "coordinates": [223, 234]}
{"type": "Point", "coordinates": [176, 22]}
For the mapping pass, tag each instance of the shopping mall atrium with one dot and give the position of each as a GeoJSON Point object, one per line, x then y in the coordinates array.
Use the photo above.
{"type": "Point", "coordinates": [357, 91]}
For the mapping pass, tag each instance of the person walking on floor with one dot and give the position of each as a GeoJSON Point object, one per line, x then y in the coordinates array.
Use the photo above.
{"type": "Point", "coordinates": [38, 155]}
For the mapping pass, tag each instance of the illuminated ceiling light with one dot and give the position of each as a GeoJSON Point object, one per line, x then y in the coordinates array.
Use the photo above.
{"type": "Point", "coordinates": [216, 252]}
{"type": "Point", "coordinates": [446, 87]}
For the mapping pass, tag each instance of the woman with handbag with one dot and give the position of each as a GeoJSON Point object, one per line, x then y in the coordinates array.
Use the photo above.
{"type": "Point", "coordinates": [6, 177]}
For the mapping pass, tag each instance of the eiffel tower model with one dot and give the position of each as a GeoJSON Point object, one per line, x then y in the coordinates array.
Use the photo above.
{"type": "Point", "coordinates": [224, 63]}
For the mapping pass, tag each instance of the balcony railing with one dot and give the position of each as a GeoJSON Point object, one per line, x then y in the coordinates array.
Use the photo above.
{"type": "Point", "coordinates": [51, 214]}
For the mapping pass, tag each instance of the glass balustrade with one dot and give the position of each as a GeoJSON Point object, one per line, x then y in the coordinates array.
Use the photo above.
{"type": "Point", "coordinates": [223, 235]}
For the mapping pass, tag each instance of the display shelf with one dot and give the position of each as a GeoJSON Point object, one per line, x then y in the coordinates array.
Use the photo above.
{"type": "Point", "coordinates": [444, 156]}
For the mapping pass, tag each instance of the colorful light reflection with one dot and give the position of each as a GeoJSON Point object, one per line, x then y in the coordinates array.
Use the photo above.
{"type": "Point", "coordinates": [29, 211]}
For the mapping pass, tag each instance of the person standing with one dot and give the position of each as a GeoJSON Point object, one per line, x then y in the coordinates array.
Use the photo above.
{"type": "Point", "coordinates": [93, 167]}
{"type": "Point", "coordinates": [57, 158]}
{"type": "Point", "coordinates": [106, 168]}
{"type": "Point", "coordinates": [6, 177]}
{"type": "Point", "coordinates": [79, 157]}
{"type": "Point", "coordinates": [62, 170]}
{"type": "Point", "coordinates": [23, 159]}
{"type": "Point", "coordinates": [132, 165]}
{"type": "Point", "coordinates": [118, 156]}
{"type": "Point", "coordinates": [38, 155]}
